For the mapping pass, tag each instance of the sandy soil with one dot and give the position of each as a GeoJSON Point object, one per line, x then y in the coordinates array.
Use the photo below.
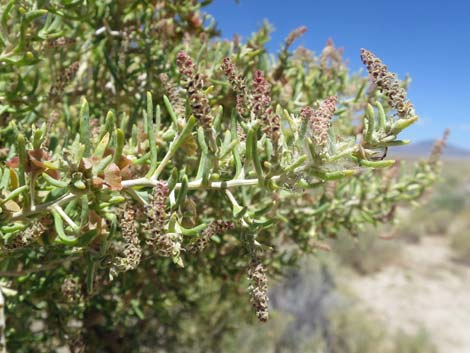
{"type": "Point", "coordinates": [424, 288]}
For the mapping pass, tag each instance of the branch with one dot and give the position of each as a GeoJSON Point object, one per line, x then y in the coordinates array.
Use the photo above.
{"type": "Point", "coordinates": [43, 207]}
{"type": "Point", "coordinates": [128, 184]}
{"type": "Point", "coordinates": [198, 184]}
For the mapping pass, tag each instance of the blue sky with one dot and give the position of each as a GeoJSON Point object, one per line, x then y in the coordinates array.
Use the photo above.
{"type": "Point", "coordinates": [430, 40]}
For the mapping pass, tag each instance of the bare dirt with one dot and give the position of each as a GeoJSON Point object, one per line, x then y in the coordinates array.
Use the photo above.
{"type": "Point", "coordinates": [425, 288]}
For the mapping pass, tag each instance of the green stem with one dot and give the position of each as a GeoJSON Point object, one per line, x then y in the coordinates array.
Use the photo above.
{"type": "Point", "coordinates": [120, 140]}
{"type": "Point", "coordinates": [151, 135]}
{"type": "Point", "coordinates": [179, 139]}
{"type": "Point", "coordinates": [170, 110]}
{"type": "Point", "coordinates": [370, 114]}
{"type": "Point", "coordinates": [15, 193]}
{"type": "Point", "coordinates": [85, 127]}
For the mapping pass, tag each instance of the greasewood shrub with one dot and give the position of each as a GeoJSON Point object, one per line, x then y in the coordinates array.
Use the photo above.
{"type": "Point", "coordinates": [148, 168]}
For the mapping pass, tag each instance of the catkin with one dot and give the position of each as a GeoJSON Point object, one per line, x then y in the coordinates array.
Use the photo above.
{"type": "Point", "coordinates": [173, 93]}
{"type": "Point", "coordinates": [294, 35]}
{"type": "Point", "coordinates": [164, 244]}
{"type": "Point", "coordinates": [437, 149]}
{"type": "Point", "coordinates": [216, 227]}
{"type": "Point", "coordinates": [319, 121]}
{"type": "Point", "coordinates": [28, 235]}
{"type": "Point", "coordinates": [258, 289]}
{"type": "Point", "coordinates": [130, 257]}
{"type": "Point", "coordinates": [387, 82]}
{"type": "Point", "coordinates": [64, 78]}
{"type": "Point", "coordinates": [261, 107]}
{"type": "Point", "coordinates": [59, 43]}
{"type": "Point", "coordinates": [331, 57]}
{"type": "Point", "coordinates": [71, 289]}
{"type": "Point", "coordinates": [238, 85]}
{"type": "Point", "coordinates": [194, 84]}
{"type": "Point", "coordinates": [156, 211]}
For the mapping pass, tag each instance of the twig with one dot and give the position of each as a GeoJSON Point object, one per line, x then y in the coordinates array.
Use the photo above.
{"type": "Point", "coordinates": [43, 207]}
{"type": "Point", "coordinates": [128, 184]}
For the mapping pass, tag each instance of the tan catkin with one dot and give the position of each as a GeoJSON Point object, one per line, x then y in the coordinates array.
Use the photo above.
{"type": "Point", "coordinates": [258, 289]}
{"type": "Point", "coordinates": [387, 82]}
{"type": "Point", "coordinates": [64, 79]}
{"type": "Point", "coordinates": [215, 228]}
{"type": "Point", "coordinates": [130, 256]}
{"type": "Point", "coordinates": [28, 235]}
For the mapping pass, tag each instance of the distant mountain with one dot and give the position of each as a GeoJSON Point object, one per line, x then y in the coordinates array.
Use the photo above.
{"type": "Point", "coordinates": [423, 148]}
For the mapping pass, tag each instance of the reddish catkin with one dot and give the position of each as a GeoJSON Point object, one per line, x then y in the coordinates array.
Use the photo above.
{"type": "Point", "coordinates": [258, 289]}
{"type": "Point", "coordinates": [238, 85]}
{"type": "Point", "coordinates": [304, 55]}
{"type": "Point", "coordinates": [438, 148]}
{"type": "Point", "coordinates": [294, 35]}
{"type": "Point", "coordinates": [261, 107]}
{"type": "Point", "coordinates": [319, 121]}
{"type": "Point", "coordinates": [194, 84]}
{"type": "Point", "coordinates": [330, 56]}
{"type": "Point", "coordinates": [185, 65]}
{"type": "Point", "coordinates": [387, 82]}
{"type": "Point", "coordinates": [278, 73]}
{"type": "Point", "coordinates": [261, 98]}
